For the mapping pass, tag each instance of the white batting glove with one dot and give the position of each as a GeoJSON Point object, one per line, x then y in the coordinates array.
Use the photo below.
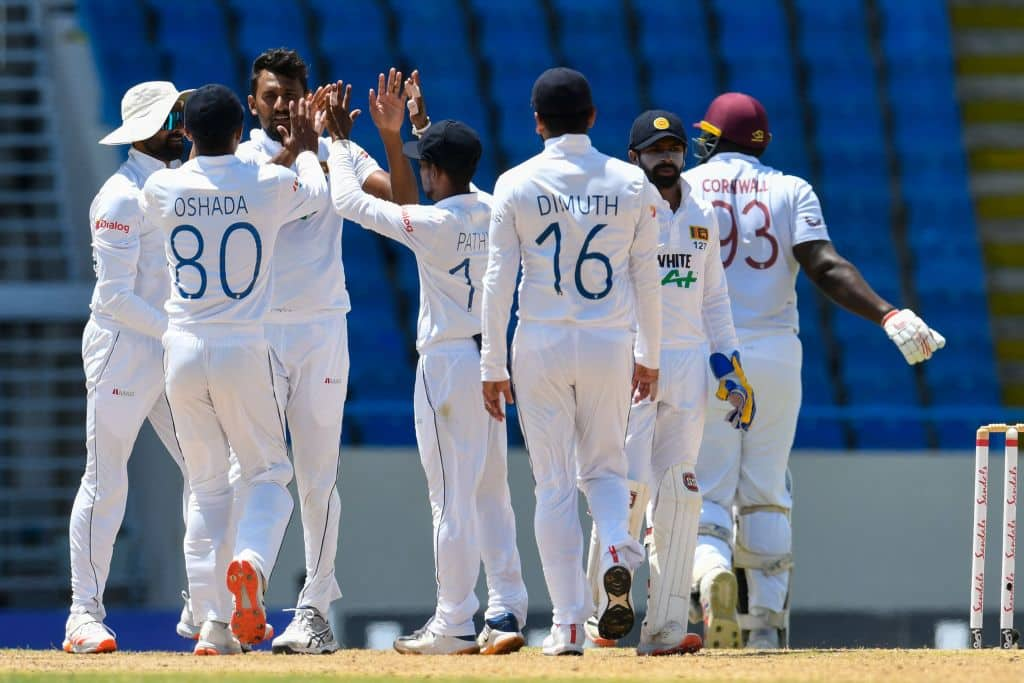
{"type": "Point", "coordinates": [916, 341]}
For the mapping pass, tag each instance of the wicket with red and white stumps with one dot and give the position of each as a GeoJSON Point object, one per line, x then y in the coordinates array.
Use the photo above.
{"type": "Point", "coordinates": [1008, 637]}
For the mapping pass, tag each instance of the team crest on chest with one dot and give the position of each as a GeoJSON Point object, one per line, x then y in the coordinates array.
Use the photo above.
{"type": "Point", "coordinates": [698, 233]}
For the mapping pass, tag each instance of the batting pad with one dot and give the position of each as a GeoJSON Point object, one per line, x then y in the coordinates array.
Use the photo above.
{"type": "Point", "coordinates": [671, 543]}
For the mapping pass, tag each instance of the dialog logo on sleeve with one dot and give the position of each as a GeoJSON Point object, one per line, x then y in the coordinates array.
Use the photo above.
{"type": "Point", "coordinates": [406, 221]}
{"type": "Point", "coordinates": [104, 224]}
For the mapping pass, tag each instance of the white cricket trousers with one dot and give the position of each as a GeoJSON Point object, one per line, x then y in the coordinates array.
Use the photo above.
{"type": "Point", "coordinates": [464, 456]}
{"type": "Point", "coordinates": [667, 431]}
{"type": "Point", "coordinates": [124, 386]}
{"type": "Point", "coordinates": [313, 352]}
{"type": "Point", "coordinates": [748, 469]}
{"type": "Point", "coordinates": [572, 392]}
{"type": "Point", "coordinates": [221, 391]}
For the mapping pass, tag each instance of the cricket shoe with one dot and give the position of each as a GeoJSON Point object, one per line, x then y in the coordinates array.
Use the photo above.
{"type": "Point", "coordinates": [426, 642]}
{"type": "Point", "coordinates": [268, 636]}
{"type": "Point", "coordinates": [187, 628]}
{"type": "Point", "coordinates": [590, 627]}
{"type": "Point", "coordinates": [307, 634]}
{"type": "Point", "coordinates": [564, 639]}
{"type": "Point", "coordinates": [671, 640]}
{"type": "Point", "coordinates": [718, 597]}
{"type": "Point", "coordinates": [84, 634]}
{"type": "Point", "coordinates": [615, 615]}
{"type": "Point", "coordinates": [763, 637]}
{"type": "Point", "coordinates": [501, 635]}
{"type": "Point", "coordinates": [247, 585]}
{"type": "Point", "coordinates": [215, 638]}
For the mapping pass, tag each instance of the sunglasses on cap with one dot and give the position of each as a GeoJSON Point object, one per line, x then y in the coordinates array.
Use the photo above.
{"type": "Point", "coordinates": [176, 119]}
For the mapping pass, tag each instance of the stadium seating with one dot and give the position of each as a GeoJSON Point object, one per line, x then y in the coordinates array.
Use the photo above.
{"type": "Point", "coordinates": [807, 61]}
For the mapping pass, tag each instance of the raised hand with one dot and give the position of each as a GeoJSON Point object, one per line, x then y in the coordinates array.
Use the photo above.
{"type": "Point", "coordinates": [339, 118]}
{"type": "Point", "coordinates": [303, 136]}
{"type": "Point", "coordinates": [417, 106]}
{"type": "Point", "coordinates": [387, 104]}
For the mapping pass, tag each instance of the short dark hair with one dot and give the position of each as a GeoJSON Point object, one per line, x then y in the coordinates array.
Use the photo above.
{"type": "Point", "coordinates": [280, 61]}
{"type": "Point", "coordinates": [460, 177]}
{"type": "Point", "coordinates": [572, 123]}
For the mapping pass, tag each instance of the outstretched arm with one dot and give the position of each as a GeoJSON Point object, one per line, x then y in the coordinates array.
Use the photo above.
{"type": "Point", "coordinates": [842, 283]}
{"type": "Point", "coordinates": [840, 280]}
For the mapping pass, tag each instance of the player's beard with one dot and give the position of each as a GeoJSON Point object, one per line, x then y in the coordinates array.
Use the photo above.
{"type": "Point", "coordinates": [663, 181]}
{"type": "Point", "coordinates": [271, 129]}
{"type": "Point", "coordinates": [167, 150]}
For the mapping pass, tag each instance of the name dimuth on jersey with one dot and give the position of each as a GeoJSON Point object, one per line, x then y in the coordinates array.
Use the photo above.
{"type": "Point", "coordinates": [225, 205]}
{"type": "Point", "coordinates": [584, 205]}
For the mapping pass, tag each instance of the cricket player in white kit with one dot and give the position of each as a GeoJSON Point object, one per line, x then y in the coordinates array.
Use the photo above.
{"type": "Point", "coordinates": [664, 434]}
{"type": "Point", "coordinates": [121, 350]}
{"type": "Point", "coordinates": [584, 226]}
{"type": "Point", "coordinates": [307, 329]}
{"type": "Point", "coordinates": [771, 226]}
{"type": "Point", "coordinates": [222, 216]}
{"type": "Point", "coordinates": [463, 451]}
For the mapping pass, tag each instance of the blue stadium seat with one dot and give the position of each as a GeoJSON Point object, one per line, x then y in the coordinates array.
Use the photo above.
{"type": "Point", "coordinates": [889, 433]}
{"type": "Point", "coordinates": [815, 432]}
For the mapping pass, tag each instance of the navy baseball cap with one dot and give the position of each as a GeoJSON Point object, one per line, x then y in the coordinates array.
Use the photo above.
{"type": "Point", "coordinates": [561, 92]}
{"type": "Point", "coordinates": [213, 111]}
{"type": "Point", "coordinates": [452, 145]}
{"type": "Point", "coordinates": [654, 125]}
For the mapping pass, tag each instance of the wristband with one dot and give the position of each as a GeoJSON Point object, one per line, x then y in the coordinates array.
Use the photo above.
{"type": "Point", "coordinates": [418, 132]}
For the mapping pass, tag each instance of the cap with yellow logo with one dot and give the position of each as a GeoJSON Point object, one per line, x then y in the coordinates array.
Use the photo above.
{"type": "Point", "coordinates": [654, 125]}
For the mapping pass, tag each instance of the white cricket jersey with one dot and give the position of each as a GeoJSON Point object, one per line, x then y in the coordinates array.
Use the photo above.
{"type": "Point", "coordinates": [584, 226]}
{"type": "Point", "coordinates": [128, 252]}
{"type": "Point", "coordinates": [221, 217]}
{"type": "Point", "coordinates": [307, 268]}
{"type": "Point", "coordinates": [694, 294]}
{"type": "Point", "coordinates": [763, 213]}
{"type": "Point", "coordinates": [449, 240]}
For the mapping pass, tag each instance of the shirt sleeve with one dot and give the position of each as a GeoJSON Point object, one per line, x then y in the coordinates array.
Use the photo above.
{"type": "Point", "coordinates": [116, 228]}
{"type": "Point", "coordinates": [304, 194]}
{"type": "Point", "coordinates": [503, 256]}
{"type": "Point", "coordinates": [716, 310]}
{"type": "Point", "coordinates": [413, 226]}
{"type": "Point", "coordinates": [643, 269]}
{"type": "Point", "coordinates": [363, 164]}
{"type": "Point", "coordinates": [808, 223]}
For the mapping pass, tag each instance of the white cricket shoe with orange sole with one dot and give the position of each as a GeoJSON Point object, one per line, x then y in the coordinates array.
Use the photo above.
{"type": "Point", "coordinates": [216, 638]}
{"type": "Point", "coordinates": [84, 634]}
{"type": "Point", "coordinates": [247, 585]}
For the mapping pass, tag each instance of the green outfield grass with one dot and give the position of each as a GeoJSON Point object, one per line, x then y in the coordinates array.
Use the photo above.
{"type": "Point", "coordinates": [913, 666]}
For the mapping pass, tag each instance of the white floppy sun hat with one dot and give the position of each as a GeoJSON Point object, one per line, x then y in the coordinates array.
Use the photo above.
{"type": "Point", "coordinates": [144, 108]}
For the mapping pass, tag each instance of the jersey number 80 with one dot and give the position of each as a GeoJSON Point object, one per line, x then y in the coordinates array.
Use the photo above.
{"type": "Point", "coordinates": [193, 260]}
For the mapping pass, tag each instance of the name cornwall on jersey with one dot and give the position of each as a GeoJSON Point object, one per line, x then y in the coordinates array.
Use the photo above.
{"type": "Point", "coordinates": [225, 205]}
{"type": "Point", "coordinates": [586, 204]}
{"type": "Point", "coordinates": [734, 185]}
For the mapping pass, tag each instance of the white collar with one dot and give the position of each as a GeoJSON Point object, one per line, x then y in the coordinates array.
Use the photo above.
{"type": "Point", "coordinates": [571, 143]}
{"type": "Point", "coordinates": [260, 138]}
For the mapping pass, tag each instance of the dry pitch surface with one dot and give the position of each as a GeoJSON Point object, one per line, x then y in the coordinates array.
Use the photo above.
{"type": "Point", "coordinates": [989, 666]}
